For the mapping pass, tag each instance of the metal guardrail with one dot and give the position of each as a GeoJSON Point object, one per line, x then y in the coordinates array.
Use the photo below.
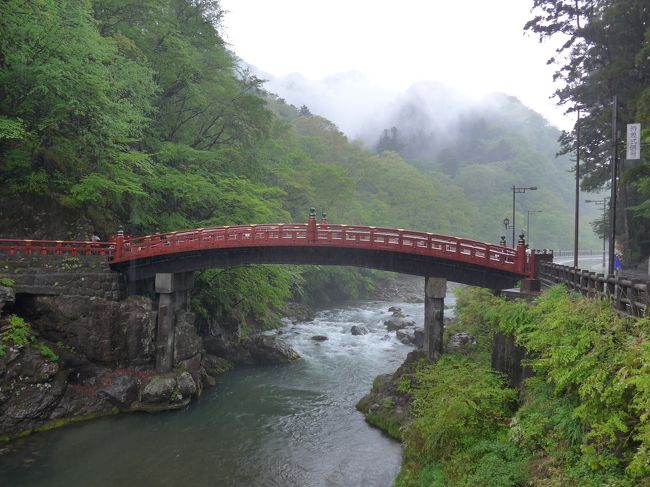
{"type": "Point", "coordinates": [581, 253]}
{"type": "Point", "coordinates": [627, 296]}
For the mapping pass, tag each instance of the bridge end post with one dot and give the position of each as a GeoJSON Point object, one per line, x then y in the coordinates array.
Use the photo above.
{"type": "Point", "coordinates": [119, 244]}
{"type": "Point", "coordinates": [311, 225]}
{"type": "Point", "coordinates": [434, 306]}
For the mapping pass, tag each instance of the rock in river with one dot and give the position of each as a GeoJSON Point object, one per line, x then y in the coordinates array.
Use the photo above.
{"type": "Point", "coordinates": [359, 330]}
{"type": "Point", "coordinates": [398, 324]}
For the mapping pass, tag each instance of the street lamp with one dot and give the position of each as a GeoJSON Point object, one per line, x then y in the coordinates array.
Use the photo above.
{"type": "Point", "coordinates": [528, 223]}
{"type": "Point", "coordinates": [604, 203]}
{"type": "Point", "coordinates": [506, 224]}
{"type": "Point", "coordinates": [516, 190]}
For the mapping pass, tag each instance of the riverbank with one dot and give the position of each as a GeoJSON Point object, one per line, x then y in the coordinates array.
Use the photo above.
{"type": "Point", "coordinates": [582, 419]}
{"type": "Point", "coordinates": [293, 424]}
{"type": "Point", "coordinates": [66, 359]}
{"type": "Point", "coordinates": [74, 357]}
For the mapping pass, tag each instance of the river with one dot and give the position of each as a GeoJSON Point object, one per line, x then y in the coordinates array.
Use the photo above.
{"type": "Point", "coordinates": [291, 425]}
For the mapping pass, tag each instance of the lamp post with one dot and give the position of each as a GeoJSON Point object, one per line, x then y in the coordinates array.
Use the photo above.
{"type": "Point", "coordinates": [506, 224]}
{"type": "Point", "coordinates": [604, 203]}
{"type": "Point", "coordinates": [516, 190]}
{"type": "Point", "coordinates": [529, 212]}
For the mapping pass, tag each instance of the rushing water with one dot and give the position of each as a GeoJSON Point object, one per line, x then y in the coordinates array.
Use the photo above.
{"type": "Point", "coordinates": [291, 425]}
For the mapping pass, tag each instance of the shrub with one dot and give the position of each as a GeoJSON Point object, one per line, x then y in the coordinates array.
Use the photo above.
{"type": "Point", "coordinates": [7, 282]}
{"type": "Point", "coordinates": [19, 333]}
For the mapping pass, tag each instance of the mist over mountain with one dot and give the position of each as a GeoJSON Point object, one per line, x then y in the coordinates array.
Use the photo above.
{"type": "Point", "coordinates": [484, 144]}
{"type": "Point", "coordinates": [427, 119]}
{"type": "Point", "coordinates": [348, 99]}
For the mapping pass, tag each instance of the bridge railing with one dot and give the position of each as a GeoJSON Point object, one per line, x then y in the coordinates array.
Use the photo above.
{"type": "Point", "coordinates": [627, 296]}
{"type": "Point", "coordinates": [125, 248]}
{"type": "Point", "coordinates": [332, 235]}
{"type": "Point", "coordinates": [55, 247]}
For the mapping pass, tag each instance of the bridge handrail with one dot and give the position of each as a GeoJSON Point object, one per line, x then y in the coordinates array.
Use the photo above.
{"type": "Point", "coordinates": [287, 234]}
{"type": "Point", "coordinates": [126, 248]}
{"type": "Point", "coordinates": [56, 247]}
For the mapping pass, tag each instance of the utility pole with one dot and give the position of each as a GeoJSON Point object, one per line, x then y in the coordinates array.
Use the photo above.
{"type": "Point", "coordinates": [528, 224]}
{"type": "Point", "coordinates": [577, 214]}
{"type": "Point", "coordinates": [516, 190]}
{"type": "Point", "coordinates": [612, 198]}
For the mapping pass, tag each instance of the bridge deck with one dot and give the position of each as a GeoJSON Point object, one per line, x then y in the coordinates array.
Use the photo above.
{"type": "Point", "coordinates": [122, 250]}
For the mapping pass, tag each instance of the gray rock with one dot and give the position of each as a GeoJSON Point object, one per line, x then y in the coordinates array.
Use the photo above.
{"type": "Point", "coordinates": [359, 330]}
{"type": "Point", "coordinates": [112, 333]}
{"type": "Point", "coordinates": [121, 391]}
{"type": "Point", "coordinates": [7, 295]}
{"type": "Point", "coordinates": [159, 389]}
{"type": "Point", "coordinates": [461, 342]}
{"type": "Point", "coordinates": [266, 350]}
{"type": "Point", "coordinates": [319, 338]}
{"type": "Point", "coordinates": [185, 384]}
{"type": "Point", "coordinates": [397, 312]}
{"type": "Point", "coordinates": [214, 365]}
{"type": "Point", "coordinates": [418, 340]}
{"type": "Point", "coordinates": [411, 335]}
{"type": "Point", "coordinates": [395, 324]}
{"type": "Point", "coordinates": [406, 335]}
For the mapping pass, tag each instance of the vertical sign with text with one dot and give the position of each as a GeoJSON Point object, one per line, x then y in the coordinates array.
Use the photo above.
{"type": "Point", "coordinates": [633, 141]}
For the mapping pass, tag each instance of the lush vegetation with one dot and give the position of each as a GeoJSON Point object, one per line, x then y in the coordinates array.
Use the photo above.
{"type": "Point", "coordinates": [581, 420]}
{"type": "Point", "coordinates": [15, 331]}
{"type": "Point", "coordinates": [137, 114]}
{"type": "Point", "coordinates": [604, 53]}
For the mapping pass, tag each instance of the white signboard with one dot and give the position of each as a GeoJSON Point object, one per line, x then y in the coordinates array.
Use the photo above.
{"type": "Point", "coordinates": [633, 141]}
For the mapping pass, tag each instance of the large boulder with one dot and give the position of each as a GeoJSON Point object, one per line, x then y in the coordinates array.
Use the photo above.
{"type": "Point", "coordinates": [120, 390]}
{"type": "Point", "coordinates": [186, 384]}
{"type": "Point", "coordinates": [359, 330]}
{"type": "Point", "coordinates": [214, 365]}
{"type": "Point", "coordinates": [262, 350]}
{"type": "Point", "coordinates": [319, 338]}
{"type": "Point", "coordinates": [234, 351]}
{"type": "Point", "coordinates": [31, 387]}
{"type": "Point", "coordinates": [411, 335]}
{"type": "Point", "coordinates": [159, 389]}
{"type": "Point", "coordinates": [267, 350]}
{"type": "Point", "coordinates": [395, 324]}
{"type": "Point", "coordinates": [111, 333]}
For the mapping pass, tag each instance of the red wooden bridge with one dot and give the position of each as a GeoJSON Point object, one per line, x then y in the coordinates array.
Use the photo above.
{"type": "Point", "coordinates": [411, 252]}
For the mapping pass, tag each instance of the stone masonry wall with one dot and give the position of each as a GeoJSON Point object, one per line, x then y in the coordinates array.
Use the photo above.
{"type": "Point", "coordinates": [63, 275]}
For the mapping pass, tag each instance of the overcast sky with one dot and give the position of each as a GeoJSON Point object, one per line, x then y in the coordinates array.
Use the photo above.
{"type": "Point", "coordinates": [477, 46]}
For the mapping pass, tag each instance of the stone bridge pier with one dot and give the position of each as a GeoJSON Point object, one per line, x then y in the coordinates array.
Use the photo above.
{"type": "Point", "coordinates": [434, 305]}
{"type": "Point", "coordinates": [172, 293]}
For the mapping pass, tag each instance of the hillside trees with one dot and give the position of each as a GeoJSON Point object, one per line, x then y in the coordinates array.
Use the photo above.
{"type": "Point", "coordinates": [604, 53]}
{"type": "Point", "coordinates": [71, 107]}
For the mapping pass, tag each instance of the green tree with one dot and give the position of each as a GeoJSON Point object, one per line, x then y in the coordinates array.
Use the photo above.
{"type": "Point", "coordinates": [605, 53]}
